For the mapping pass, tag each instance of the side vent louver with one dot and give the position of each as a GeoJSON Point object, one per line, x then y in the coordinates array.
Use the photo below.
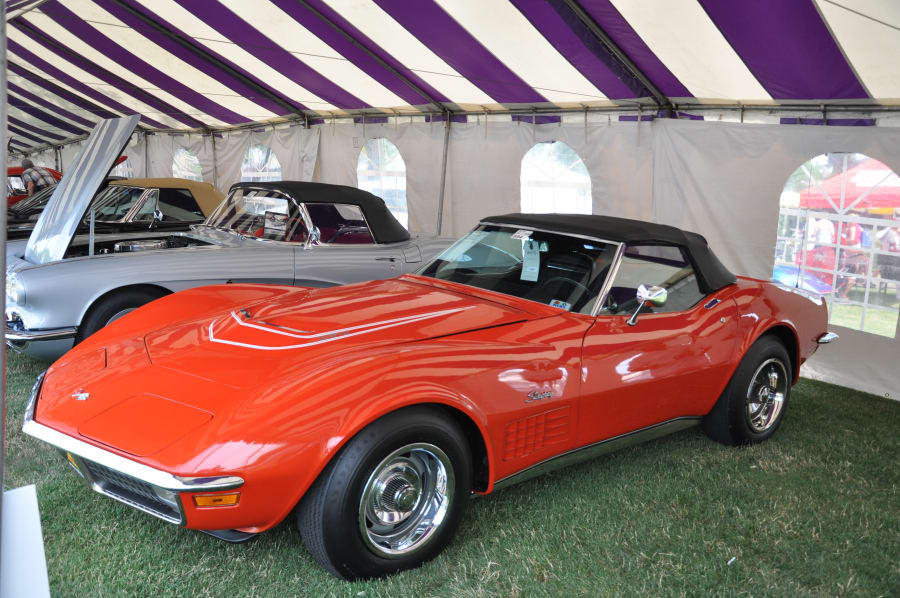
{"type": "Point", "coordinates": [531, 434]}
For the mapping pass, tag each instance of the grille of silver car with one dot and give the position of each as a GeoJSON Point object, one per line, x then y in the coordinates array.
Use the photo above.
{"type": "Point", "coordinates": [131, 491]}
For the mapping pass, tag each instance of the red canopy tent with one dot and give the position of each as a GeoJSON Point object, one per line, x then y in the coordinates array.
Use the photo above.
{"type": "Point", "coordinates": [856, 183]}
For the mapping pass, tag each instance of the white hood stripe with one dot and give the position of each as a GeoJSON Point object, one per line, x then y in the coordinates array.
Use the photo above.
{"type": "Point", "coordinates": [332, 335]}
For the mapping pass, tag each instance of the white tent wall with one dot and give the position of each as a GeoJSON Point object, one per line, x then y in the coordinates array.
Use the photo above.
{"type": "Point", "coordinates": [724, 180]}
{"type": "Point", "coordinates": [484, 168]}
{"type": "Point", "coordinates": [421, 146]}
{"type": "Point", "coordinates": [295, 147]}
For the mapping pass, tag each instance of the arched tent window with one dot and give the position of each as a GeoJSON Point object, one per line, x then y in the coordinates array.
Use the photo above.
{"type": "Point", "coordinates": [260, 164]}
{"type": "Point", "coordinates": [380, 170]}
{"type": "Point", "coordinates": [123, 169]}
{"type": "Point", "coordinates": [555, 179]}
{"type": "Point", "coordinates": [839, 236]}
{"type": "Point", "coordinates": [186, 165]}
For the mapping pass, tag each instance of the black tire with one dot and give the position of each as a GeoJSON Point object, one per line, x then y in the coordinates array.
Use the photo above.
{"type": "Point", "coordinates": [111, 307]}
{"type": "Point", "coordinates": [329, 515]}
{"type": "Point", "coordinates": [748, 411]}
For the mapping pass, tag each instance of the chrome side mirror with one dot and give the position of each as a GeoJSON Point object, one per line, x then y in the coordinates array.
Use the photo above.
{"type": "Point", "coordinates": [313, 237]}
{"type": "Point", "coordinates": [655, 296]}
{"type": "Point", "coordinates": [157, 218]}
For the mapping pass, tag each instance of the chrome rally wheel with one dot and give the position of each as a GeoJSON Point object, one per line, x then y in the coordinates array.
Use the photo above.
{"type": "Point", "coordinates": [392, 498]}
{"type": "Point", "coordinates": [406, 499]}
{"type": "Point", "coordinates": [752, 406]}
{"type": "Point", "coordinates": [766, 394]}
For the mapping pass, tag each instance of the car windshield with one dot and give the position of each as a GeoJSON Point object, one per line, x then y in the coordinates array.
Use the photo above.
{"type": "Point", "coordinates": [14, 185]}
{"type": "Point", "coordinates": [551, 268]}
{"type": "Point", "coordinates": [32, 205]}
{"type": "Point", "coordinates": [113, 203]}
{"type": "Point", "coordinates": [261, 213]}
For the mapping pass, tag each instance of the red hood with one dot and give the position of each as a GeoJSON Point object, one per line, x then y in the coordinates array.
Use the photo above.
{"type": "Point", "coordinates": [146, 393]}
{"type": "Point", "coordinates": [238, 345]}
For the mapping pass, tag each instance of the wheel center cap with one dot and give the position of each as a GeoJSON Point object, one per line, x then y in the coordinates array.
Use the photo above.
{"type": "Point", "coordinates": [405, 498]}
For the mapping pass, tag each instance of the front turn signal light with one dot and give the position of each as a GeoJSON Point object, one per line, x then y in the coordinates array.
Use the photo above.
{"type": "Point", "coordinates": [217, 500]}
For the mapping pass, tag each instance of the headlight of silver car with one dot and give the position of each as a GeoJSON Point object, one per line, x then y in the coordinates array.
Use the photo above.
{"type": "Point", "coordinates": [15, 291]}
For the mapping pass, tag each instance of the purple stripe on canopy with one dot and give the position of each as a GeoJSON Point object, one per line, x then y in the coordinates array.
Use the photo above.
{"type": "Point", "coordinates": [787, 47]}
{"type": "Point", "coordinates": [17, 142]}
{"type": "Point", "coordinates": [448, 39]}
{"type": "Point", "coordinates": [22, 133]}
{"type": "Point", "coordinates": [73, 83]}
{"type": "Point", "coordinates": [38, 130]}
{"type": "Point", "coordinates": [41, 115]}
{"type": "Point", "coordinates": [36, 99]}
{"type": "Point", "coordinates": [288, 64]}
{"type": "Point", "coordinates": [348, 49]}
{"type": "Point", "coordinates": [103, 44]}
{"type": "Point", "coordinates": [90, 67]}
{"type": "Point", "coordinates": [581, 49]}
{"type": "Point", "coordinates": [234, 83]}
{"type": "Point", "coordinates": [617, 28]}
{"type": "Point", "coordinates": [358, 35]}
{"type": "Point", "coordinates": [634, 117]}
{"type": "Point", "coordinates": [832, 122]}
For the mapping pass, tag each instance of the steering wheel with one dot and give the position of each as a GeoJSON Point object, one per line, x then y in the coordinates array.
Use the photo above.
{"type": "Point", "coordinates": [565, 279]}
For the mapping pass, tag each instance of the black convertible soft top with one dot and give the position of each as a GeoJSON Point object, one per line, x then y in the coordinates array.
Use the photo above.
{"type": "Point", "coordinates": [711, 274]}
{"type": "Point", "coordinates": [381, 222]}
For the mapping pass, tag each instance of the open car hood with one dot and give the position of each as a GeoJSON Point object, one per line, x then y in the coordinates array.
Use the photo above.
{"type": "Point", "coordinates": [66, 208]}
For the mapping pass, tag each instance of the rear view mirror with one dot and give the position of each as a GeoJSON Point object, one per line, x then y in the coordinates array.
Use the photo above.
{"type": "Point", "coordinates": [655, 296]}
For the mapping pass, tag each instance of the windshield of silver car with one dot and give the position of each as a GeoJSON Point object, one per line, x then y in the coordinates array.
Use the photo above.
{"type": "Point", "coordinates": [260, 213]}
{"type": "Point", "coordinates": [551, 268]}
{"type": "Point", "coordinates": [113, 203]}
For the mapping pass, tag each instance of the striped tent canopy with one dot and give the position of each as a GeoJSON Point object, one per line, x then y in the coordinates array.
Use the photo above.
{"type": "Point", "coordinates": [215, 64]}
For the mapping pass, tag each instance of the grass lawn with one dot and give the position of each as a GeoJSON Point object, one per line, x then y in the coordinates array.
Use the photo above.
{"type": "Point", "coordinates": [814, 512]}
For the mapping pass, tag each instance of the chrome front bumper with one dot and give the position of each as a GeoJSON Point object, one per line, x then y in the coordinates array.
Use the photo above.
{"type": "Point", "coordinates": [20, 335]}
{"type": "Point", "coordinates": [137, 485]}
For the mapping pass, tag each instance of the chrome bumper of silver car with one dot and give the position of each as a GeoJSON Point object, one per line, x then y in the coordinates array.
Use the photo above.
{"type": "Point", "coordinates": [21, 335]}
{"type": "Point", "coordinates": [828, 337]}
{"type": "Point", "coordinates": [137, 485]}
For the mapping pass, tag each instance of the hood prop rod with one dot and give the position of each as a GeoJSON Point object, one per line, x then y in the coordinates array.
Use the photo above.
{"type": "Point", "coordinates": [91, 236]}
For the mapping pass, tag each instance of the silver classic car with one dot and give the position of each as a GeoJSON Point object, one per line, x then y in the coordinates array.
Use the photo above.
{"type": "Point", "coordinates": [62, 286]}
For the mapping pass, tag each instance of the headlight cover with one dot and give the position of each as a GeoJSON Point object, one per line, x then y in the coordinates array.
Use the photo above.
{"type": "Point", "coordinates": [15, 291]}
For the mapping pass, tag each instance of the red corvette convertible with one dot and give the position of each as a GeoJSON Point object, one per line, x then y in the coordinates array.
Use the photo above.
{"type": "Point", "coordinates": [372, 411]}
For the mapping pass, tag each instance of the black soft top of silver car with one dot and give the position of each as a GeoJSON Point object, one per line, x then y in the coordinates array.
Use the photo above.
{"type": "Point", "coordinates": [382, 223]}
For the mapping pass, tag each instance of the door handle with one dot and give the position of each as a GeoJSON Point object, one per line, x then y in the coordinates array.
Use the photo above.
{"type": "Point", "coordinates": [386, 259]}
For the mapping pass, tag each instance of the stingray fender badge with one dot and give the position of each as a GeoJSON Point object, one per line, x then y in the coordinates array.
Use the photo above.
{"type": "Point", "coordinates": [538, 396]}
{"type": "Point", "coordinates": [80, 395]}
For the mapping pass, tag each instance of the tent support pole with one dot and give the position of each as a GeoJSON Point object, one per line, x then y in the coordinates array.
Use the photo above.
{"type": "Point", "coordinates": [440, 212]}
{"type": "Point", "coordinates": [146, 155]}
{"type": "Point", "coordinates": [661, 99]}
{"type": "Point", "coordinates": [212, 136]}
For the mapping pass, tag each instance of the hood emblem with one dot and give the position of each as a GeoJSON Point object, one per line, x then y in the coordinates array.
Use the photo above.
{"type": "Point", "coordinates": [80, 395]}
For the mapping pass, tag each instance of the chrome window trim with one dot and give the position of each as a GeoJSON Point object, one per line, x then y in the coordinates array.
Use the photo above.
{"type": "Point", "coordinates": [549, 230]}
{"type": "Point", "coordinates": [131, 211]}
{"type": "Point", "coordinates": [610, 277]}
{"type": "Point", "coordinates": [138, 205]}
{"type": "Point", "coordinates": [362, 213]}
